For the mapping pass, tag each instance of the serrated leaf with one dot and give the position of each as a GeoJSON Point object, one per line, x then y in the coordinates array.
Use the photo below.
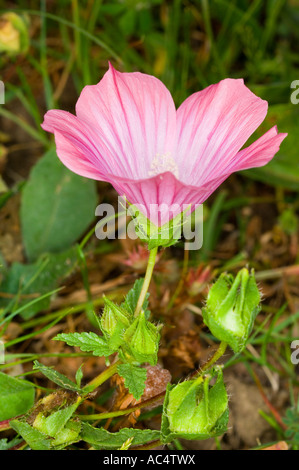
{"type": "Point", "coordinates": [57, 207]}
{"type": "Point", "coordinates": [134, 378]}
{"type": "Point", "coordinates": [99, 438]}
{"type": "Point", "coordinates": [56, 377]}
{"type": "Point", "coordinates": [87, 342]}
{"type": "Point", "coordinates": [16, 396]}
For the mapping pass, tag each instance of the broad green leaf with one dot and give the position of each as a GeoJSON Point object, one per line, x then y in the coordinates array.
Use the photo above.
{"type": "Point", "coordinates": [134, 378]}
{"type": "Point", "coordinates": [41, 277]}
{"type": "Point", "coordinates": [16, 396]}
{"type": "Point", "coordinates": [57, 207]}
{"type": "Point", "coordinates": [283, 169]}
{"type": "Point", "coordinates": [99, 438]}
{"type": "Point", "coordinates": [56, 377]}
{"type": "Point", "coordinates": [87, 342]}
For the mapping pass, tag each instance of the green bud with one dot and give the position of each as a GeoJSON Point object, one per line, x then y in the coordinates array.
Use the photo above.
{"type": "Point", "coordinates": [142, 340]}
{"type": "Point", "coordinates": [195, 410]}
{"type": "Point", "coordinates": [14, 35]}
{"type": "Point", "coordinates": [114, 322]}
{"type": "Point", "coordinates": [113, 315]}
{"type": "Point", "coordinates": [232, 306]}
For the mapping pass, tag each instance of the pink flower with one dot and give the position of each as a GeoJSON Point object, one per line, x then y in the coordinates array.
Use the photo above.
{"type": "Point", "coordinates": [127, 131]}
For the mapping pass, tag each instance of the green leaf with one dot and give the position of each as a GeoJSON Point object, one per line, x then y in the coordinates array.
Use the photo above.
{"type": "Point", "coordinates": [134, 378]}
{"type": "Point", "coordinates": [56, 377]}
{"type": "Point", "coordinates": [38, 278]}
{"type": "Point", "coordinates": [6, 445]}
{"type": "Point", "coordinates": [195, 410]}
{"type": "Point", "coordinates": [87, 342]}
{"type": "Point", "coordinates": [16, 396]}
{"type": "Point", "coordinates": [99, 438]}
{"type": "Point", "coordinates": [57, 207]}
{"type": "Point", "coordinates": [34, 438]}
{"type": "Point", "coordinates": [79, 376]}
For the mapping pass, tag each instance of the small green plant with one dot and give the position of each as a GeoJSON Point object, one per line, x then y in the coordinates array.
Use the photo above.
{"type": "Point", "coordinates": [196, 408]}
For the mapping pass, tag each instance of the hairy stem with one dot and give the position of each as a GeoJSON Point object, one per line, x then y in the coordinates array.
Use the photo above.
{"type": "Point", "coordinates": [147, 280]}
{"type": "Point", "coordinates": [101, 378]}
{"type": "Point", "coordinates": [220, 351]}
{"type": "Point", "coordinates": [116, 413]}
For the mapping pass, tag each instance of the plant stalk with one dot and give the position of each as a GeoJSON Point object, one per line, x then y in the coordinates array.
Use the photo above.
{"type": "Point", "coordinates": [147, 280]}
{"type": "Point", "coordinates": [101, 378]}
{"type": "Point", "coordinates": [220, 351]}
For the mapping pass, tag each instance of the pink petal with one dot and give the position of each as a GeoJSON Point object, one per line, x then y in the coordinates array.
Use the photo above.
{"type": "Point", "coordinates": [134, 114]}
{"type": "Point", "coordinates": [259, 153]}
{"type": "Point", "coordinates": [213, 125]}
{"type": "Point", "coordinates": [162, 197]}
{"type": "Point", "coordinates": [76, 145]}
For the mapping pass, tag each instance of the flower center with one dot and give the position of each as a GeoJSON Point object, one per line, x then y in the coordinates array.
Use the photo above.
{"type": "Point", "coordinates": [163, 163]}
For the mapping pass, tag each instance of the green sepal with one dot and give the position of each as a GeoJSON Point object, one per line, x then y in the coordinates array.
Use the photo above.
{"type": "Point", "coordinates": [155, 236]}
{"type": "Point", "coordinates": [195, 410]}
{"type": "Point", "coordinates": [141, 340]}
{"type": "Point", "coordinates": [114, 321]}
{"type": "Point", "coordinates": [231, 308]}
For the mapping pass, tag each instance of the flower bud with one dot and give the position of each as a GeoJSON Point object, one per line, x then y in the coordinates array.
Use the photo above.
{"type": "Point", "coordinates": [142, 340]}
{"type": "Point", "coordinates": [232, 306]}
{"type": "Point", "coordinates": [114, 322]}
{"type": "Point", "coordinates": [195, 410]}
{"type": "Point", "coordinates": [14, 36]}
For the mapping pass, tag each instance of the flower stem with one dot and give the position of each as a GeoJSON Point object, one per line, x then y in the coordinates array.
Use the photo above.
{"type": "Point", "coordinates": [101, 378]}
{"type": "Point", "coordinates": [220, 351]}
{"type": "Point", "coordinates": [147, 280]}
{"type": "Point", "coordinates": [114, 414]}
